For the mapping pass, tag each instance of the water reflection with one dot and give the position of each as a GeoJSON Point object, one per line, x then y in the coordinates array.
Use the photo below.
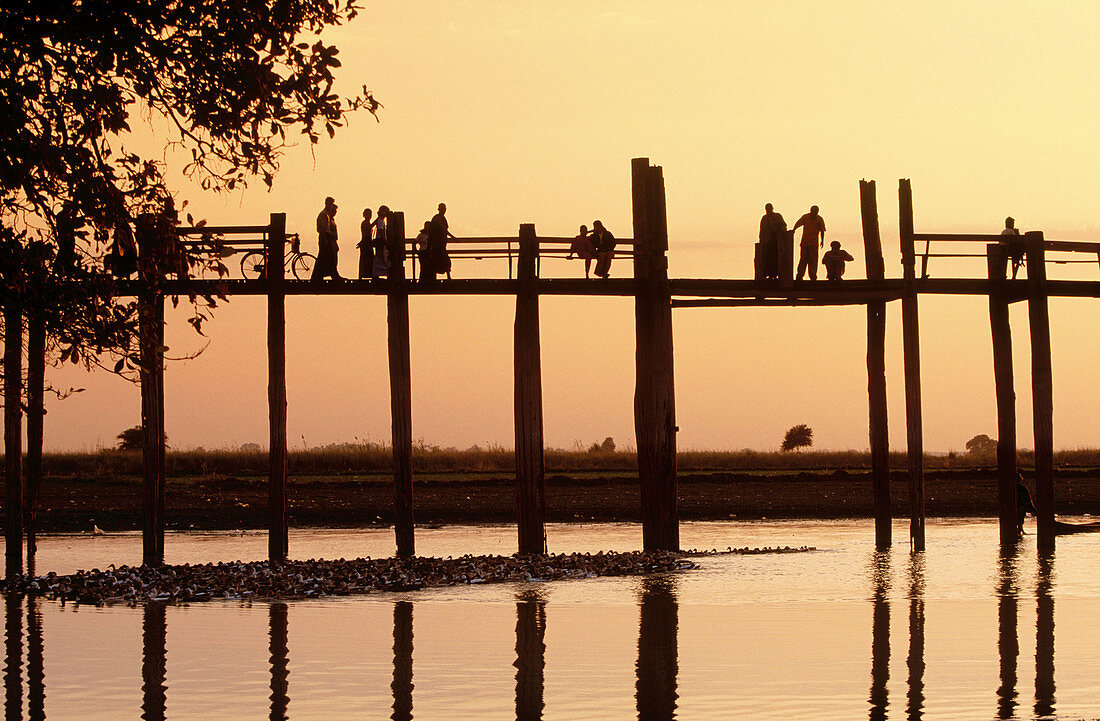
{"type": "Point", "coordinates": [530, 655]}
{"type": "Point", "coordinates": [880, 634]}
{"type": "Point", "coordinates": [153, 662]}
{"type": "Point", "coordinates": [280, 671]}
{"type": "Point", "coordinates": [1008, 643]}
{"type": "Point", "coordinates": [13, 658]}
{"type": "Point", "coordinates": [657, 651]}
{"type": "Point", "coordinates": [36, 671]}
{"type": "Point", "coordinates": [1044, 637]}
{"type": "Point", "coordinates": [915, 660]}
{"type": "Point", "coordinates": [402, 684]}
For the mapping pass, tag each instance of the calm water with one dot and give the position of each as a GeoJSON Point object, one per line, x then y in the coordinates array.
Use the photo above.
{"type": "Point", "coordinates": [843, 632]}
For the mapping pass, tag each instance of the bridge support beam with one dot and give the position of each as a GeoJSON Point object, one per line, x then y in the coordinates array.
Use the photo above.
{"type": "Point", "coordinates": [911, 352]}
{"type": "Point", "coordinates": [397, 319]}
{"type": "Point", "coordinates": [1042, 387]}
{"type": "Point", "coordinates": [1001, 332]}
{"type": "Point", "coordinates": [151, 356]}
{"type": "Point", "coordinates": [654, 395]}
{"type": "Point", "coordinates": [278, 530]}
{"type": "Point", "coordinates": [530, 473]}
{"type": "Point", "coordinates": [878, 421]}
{"type": "Point", "coordinates": [13, 439]}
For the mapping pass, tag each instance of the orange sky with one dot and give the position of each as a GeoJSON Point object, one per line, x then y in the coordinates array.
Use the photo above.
{"type": "Point", "coordinates": [514, 112]}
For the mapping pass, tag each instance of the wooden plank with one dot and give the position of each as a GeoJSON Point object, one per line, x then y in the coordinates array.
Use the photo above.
{"type": "Point", "coordinates": [1001, 332]}
{"type": "Point", "coordinates": [13, 439]}
{"type": "Point", "coordinates": [911, 356]}
{"type": "Point", "coordinates": [878, 419]}
{"type": "Point", "coordinates": [530, 474]}
{"type": "Point", "coordinates": [1042, 387]}
{"type": "Point", "coordinates": [397, 319]}
{"type": "Point", "coordinates": [151, 354]}
{"type": "Point", "coordinates": [654, 396]}
{"type": "Point", "coordinates": [36, 387]}
{"type": "Point", "coordinates": [278, 529]}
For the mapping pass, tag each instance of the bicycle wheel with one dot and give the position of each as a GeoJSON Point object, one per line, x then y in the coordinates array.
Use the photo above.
{"type": "Point", "coordinates": [253, 264]}
{"type": "Point", "coordinates": [302, 266]}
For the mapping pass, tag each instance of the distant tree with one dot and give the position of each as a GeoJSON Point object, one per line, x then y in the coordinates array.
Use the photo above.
{"type": "Point", "coordinates": [800, 436]}
{"type": "Point", "coordinates": [981, 445]}
{"type": "Point", "coordinates": [608, 446]}
{"type": "Point", "coordinates": [133, 439]}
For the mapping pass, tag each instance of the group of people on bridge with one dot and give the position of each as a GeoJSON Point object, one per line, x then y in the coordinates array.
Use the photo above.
{"type": "Point", "coordinates": [376, 256]}
{"type": "Point", "coordinates": [773, 232]}
{"type": "Point", "coordinates": [599, 245]}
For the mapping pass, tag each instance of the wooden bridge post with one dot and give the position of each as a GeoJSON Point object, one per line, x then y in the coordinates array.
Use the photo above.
{"type": "Point", "coordinates": [654, 395]}
{"type": "Point", "coordinates": [911, 351]}
{"type": "Point", "coordinates": [397, 318]}
{"type": "Point", "coordinates": [36, 386]}
{"type": "Point", "coordinates": [1001, 331]}
{"type": "Point", "coordinates": [151, 355]}
{"type": "Point", "coordinates": [278, 545]}
{"type": "Point", "coordinates": [530, 485]}
{"type": "Point", "coordinates": [1042, 386]}
{"type": "Point", "coordinates": [876, 369]}
{"type": "Point", "coordinates": [13, 439]}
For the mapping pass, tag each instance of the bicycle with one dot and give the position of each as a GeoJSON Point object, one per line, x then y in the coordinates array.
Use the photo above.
{"type": "Point", "coordinates": [254, 262]}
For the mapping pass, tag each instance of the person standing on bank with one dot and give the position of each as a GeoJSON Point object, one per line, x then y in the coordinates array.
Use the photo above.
{"type": "Point", "coordinates": [438, 259]}
{"type": "Point", "coordinates": [772, 228]}
{"type": "Point", "coordinates": [366, 246]}
{"type": "Point", "coordinates": [813, 237]}
{"type": "Point", "coordinates": [605, 248]}
{"type": "Point", "coordinates": [327, 247]}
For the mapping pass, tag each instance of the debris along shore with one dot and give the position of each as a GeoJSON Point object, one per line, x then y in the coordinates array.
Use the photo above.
{"type": "Point", "coordinates": [259, 580]}
{"type": "Point", "coordinates": [316, 578]}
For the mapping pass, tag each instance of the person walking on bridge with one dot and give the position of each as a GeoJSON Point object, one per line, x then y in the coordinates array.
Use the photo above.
{"type": "Point", "coordinates": [327, 248]}
{"type": "Point", "coordinates": [813, 237]}
{"type": "Point", "coordinates": [437, 261]}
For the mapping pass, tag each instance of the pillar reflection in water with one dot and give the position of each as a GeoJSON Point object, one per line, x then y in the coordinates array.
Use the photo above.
{"type": "Point", "coordinates": [1008, 640]}
{"type": "Point", "coordinates": [13, 657]}
{"type": "Point", "coordinates": [530, 655]}
{"type": "Point", "coordinates": [880, 633]}
{"type": "Point", "coordinates": [36, 669]}
{"type": "Point", "coordinates": [153, 661]}
{"type": "Point", "coordinates": [279, 661]}
{"type": "Point", "coordinates": [402, 685]}
{"type": "Point", "coordinates": [915, 661]}
{"type": "Point", "coordinates": [657, 650]}
{"type": "Point", "coordinates": [1044, 637]}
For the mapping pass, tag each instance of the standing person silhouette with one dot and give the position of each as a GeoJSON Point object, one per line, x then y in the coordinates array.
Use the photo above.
{"type": "Point", "coordinates": [605, 248]}
{"type": "Point", "coordinates": [381, 246]}
{"type": "Point", "coordinates": [1010, 236]}
{"type": "Point", "coordinates": [327, 247]}
{"type": "Point", "coordinates": [813, 237]}
{"type": "Point", "coordinates": [438, 259]}
{"type": "Point", "coordinates": [772, 226]}
{"type": "Point", "coordinates": [366, 246]}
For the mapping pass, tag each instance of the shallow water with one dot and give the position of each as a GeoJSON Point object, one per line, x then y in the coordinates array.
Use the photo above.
{"type": "Point", "coordinates": [843, 632]}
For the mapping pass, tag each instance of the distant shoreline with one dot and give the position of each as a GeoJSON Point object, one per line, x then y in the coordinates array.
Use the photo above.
{"type": "Point", "coordinates": [230, 502]}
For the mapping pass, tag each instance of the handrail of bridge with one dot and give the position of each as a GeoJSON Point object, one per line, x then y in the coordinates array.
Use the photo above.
{"type": "Point", "coordinates": [1065, 246]}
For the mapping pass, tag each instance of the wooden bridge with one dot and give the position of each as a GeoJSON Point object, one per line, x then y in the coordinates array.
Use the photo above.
{"type": "Point", "coordinates": [656, 295]}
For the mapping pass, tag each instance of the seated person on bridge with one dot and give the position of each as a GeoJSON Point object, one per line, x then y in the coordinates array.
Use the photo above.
{"type": "Point", "coordinates": [834, 260]}
{"type": "Point", "coordinates": [583, 247]}
{"type": "Point", "coordinates": [1010, 236]}
{"type": "Point", "coordinates": [605, 248]}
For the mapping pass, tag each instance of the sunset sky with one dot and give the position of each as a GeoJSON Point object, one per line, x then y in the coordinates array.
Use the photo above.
{"type": "Point", "coordinates": [514, 112]}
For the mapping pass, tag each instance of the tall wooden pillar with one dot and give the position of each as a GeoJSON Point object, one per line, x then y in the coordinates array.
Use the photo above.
{"type": "Point", "coordinates": [911, 350]}
{"type": "Point", "coordinates": [278, 545]}
{"type": "Point", "coordinates": [36, 385]}
{"type": "Point", "coordinates": [151, 352]}
{"type": "Point", "coordinates": [654, 395]}
{"type": "Point", "coordinates": [1001, 331]}
{"type": "Point", "coordinates": [13, 439]}
{"type": "Point", "coordinates": [1042, 386]}
{"type": "Point", "coordinates": [878, 421]}
{"type": "Point", "coordinates": [530, 486]}
{"type": "Point", "coordinates": [397, 318]}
